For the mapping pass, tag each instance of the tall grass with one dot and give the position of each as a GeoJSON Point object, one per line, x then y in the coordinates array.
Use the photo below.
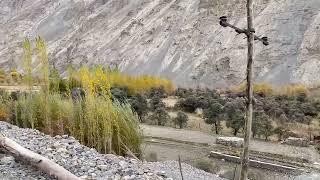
{"type": "Point", "coordinates": [108, 126]}
{"type": "Point", "coordinates": [94, 120]}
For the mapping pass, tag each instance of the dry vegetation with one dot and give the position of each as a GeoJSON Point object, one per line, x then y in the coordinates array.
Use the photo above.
{"type": "Point", "coordinates": [106, 114]}
{"type": "Point", "coordinates": [268, 89]}
{"type": "Point", "coordinates": [81, 105]}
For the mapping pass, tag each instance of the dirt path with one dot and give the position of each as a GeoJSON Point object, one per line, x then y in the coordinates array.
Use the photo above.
{"type": "Point", "coordinates": [200, 137]}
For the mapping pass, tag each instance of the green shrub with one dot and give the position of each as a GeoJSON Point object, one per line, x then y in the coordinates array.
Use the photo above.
{"type": "Point", "coordinates": [281, 132]}
{"type": "Point", "coordinates": [158, 92]}
{"type": "Point", "coordinates": [159, 117]}
{"type": "Point", "coordinates": [189, 104]}
{"type": "Point", "coordinates": [119, 94]}
{"type": "Point", "coordinates": [207, 166]}
{"type": "Point", "coordinates": [96, 122]}
{"type": "Point", "coordinates": [235, 115]}
{"type": "Point", "coordinates": [198, 99]}
{"type": "Point", "coordinates": [261, 125]}
{"type": "Point", "coordinates": [140, 105]}
{"type": "Point", "coordinates": [181, 120]}
{"type": "Point", "coordinates": [58, 84]}
{"type": "Point", "coordinates": [156, 103]}
{"type": "Point", "coordinates": [181, 92]}
{"type": "Point", "coordinates": [212, 116]}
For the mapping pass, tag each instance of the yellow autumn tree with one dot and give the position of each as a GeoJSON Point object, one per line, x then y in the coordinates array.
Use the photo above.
{"type": "Point", "coordinates": [94, 81]}
{"type": "Point", "coordinates": [293, 90]}
{"type": "Point", "coordinates": [99, 80]}
{"type": "Point", "coordinates": [138, 84]}
{"type": "Point", "coordinates": [259, 88]}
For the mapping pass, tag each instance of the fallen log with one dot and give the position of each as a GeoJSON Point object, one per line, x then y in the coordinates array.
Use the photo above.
{"type": "Point", "coordinates": [42, 163]}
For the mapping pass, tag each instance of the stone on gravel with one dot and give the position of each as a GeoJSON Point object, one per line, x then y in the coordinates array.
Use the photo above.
{"type": "Point", "coordinates": [189, 173]}
{"type": "Point", "coordinates": [230, 141]}
{"type": "Point", "coordinates": [297, 142]}
{"type": "Point", "coordinates": [6, 160]}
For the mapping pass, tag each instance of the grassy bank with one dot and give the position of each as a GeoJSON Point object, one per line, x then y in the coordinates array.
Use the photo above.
{"type": "Point", "coordinates": [108, 126]}
{"type": "Point", "coordinates": [80, 105]}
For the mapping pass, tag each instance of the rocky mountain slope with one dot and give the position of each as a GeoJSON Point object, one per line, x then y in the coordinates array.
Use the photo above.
{"type": "Point", "coordinates": [177, 39]}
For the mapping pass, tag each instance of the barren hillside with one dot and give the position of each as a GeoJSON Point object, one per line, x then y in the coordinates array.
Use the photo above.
{"type": "Point", "coordinates": [178, 39]}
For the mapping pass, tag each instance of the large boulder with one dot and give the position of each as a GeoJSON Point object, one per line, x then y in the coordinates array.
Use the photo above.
{"type": "Point", "coordinates": [230, 141]}
{"type": "Point", "coordinates": [297, 142]}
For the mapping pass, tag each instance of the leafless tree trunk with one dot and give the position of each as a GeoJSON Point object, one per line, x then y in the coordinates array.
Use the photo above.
{"type": "Point", "coordinates": [180, 167]}
{"type": "Point", "coordinates": [42, 163]}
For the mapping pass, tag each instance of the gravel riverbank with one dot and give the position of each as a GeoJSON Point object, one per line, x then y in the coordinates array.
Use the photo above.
{"type": "Point", "coordinates": [84, 162]}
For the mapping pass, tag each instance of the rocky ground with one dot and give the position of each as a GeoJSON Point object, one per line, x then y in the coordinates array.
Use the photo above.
{"type": "Point", "coordinates": [84, 162]}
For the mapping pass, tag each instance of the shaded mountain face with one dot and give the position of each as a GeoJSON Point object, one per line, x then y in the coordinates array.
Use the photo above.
{"type": "Point", "coordinates": [177, 39]}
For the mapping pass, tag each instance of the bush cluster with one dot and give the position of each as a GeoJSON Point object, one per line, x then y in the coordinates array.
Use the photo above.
{"type": "Point", "coordinates": [289, 108]}
{"type": "Point", "coordinates": [181, 120]}
{"type": "Point", "coordinates": [190, 100]}
{"type": "Point", "coordinates": [268, 107]}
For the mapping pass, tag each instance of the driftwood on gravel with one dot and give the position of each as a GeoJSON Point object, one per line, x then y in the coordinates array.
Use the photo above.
{"type": "Point", "coordinates": [42, 163]}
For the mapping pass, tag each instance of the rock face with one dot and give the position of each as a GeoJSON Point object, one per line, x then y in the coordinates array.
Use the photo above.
{"type": "Point", "coordinates": [177, 39]}
{"type": "Point", "coordinates": [230, 141]}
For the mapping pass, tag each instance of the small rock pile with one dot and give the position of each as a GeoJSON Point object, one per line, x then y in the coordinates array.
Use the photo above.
{"type": "Point", "coordinates": [82, 161]}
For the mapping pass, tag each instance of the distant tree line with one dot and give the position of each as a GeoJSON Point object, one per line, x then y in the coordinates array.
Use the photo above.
{"type": "Point", "coordinates": [268, 108]}
{"type": "Point", "coordinates": [230, 107]}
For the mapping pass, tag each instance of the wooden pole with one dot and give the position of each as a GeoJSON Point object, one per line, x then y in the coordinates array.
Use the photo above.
{"type": "Point", "coordinates": [180, 167]}
{"type": "Point", "coordinates": [234, 173]}
{"type": "Point", "coordinates": [249, 91]}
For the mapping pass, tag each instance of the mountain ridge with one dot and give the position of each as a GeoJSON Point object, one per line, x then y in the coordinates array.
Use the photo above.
{"type": "Point", "coordinates": [177, 39]}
